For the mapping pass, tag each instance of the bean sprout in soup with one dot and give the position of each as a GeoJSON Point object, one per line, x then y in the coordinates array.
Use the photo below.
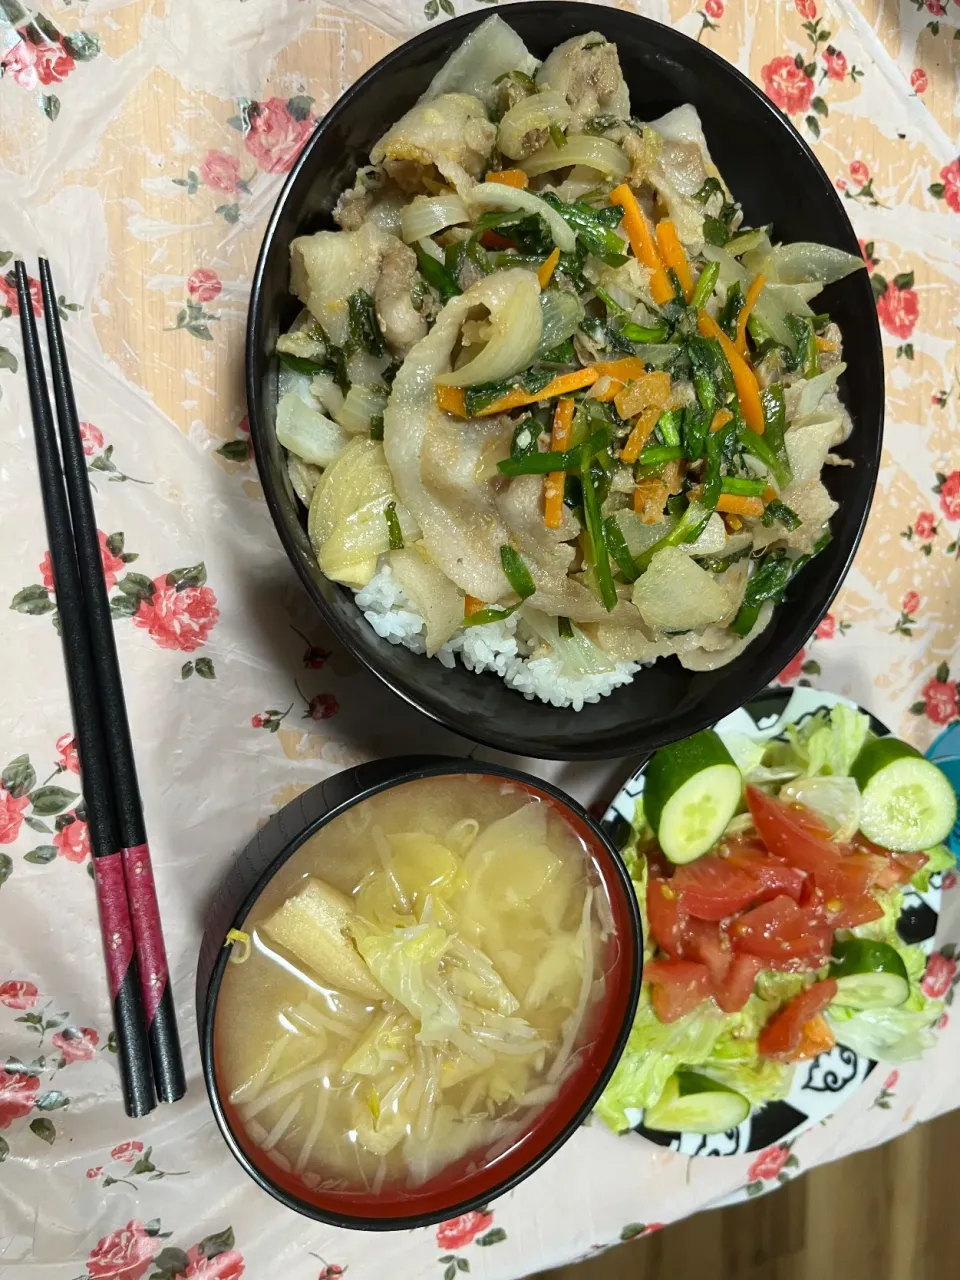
{"type": "Point", "coordinates": [423, 976]}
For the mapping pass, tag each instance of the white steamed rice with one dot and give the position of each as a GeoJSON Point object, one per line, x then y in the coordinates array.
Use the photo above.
{"type": "Point", "coordinates": [492, 647]}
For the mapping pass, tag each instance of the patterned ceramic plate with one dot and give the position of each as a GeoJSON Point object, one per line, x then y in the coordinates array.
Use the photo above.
{"type": "Point", "coordinates": [823, 1085]}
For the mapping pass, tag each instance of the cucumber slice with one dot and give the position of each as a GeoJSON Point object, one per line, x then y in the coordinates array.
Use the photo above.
{"type": "Point", "coordinates": [691, 791]}
{"type": "Point", "coordinates": [692, 1103]}
{"type": "Point", "coordinates": [870, 975]}
{"type": "Point", "coordinates": [908, 803]}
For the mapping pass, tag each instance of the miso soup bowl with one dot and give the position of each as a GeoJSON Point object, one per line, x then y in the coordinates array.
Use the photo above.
{"type": "Point", "coordinates": [476, 1179]}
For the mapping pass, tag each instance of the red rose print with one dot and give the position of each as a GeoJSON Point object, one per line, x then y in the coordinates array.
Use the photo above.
{"type": "Point", "coordinates": [859, 172]}
{"type": "Point", "coordinates": [95, 1172]}
{"type": "Point", "coordinates": [76, 1044]}
{"type": "Point", "coordinates": [276, 138]}
{"type": "Point", "coordinates": [918, 80]}
{"type": "Point", "coordinates": [20, 62]}
{"type": "Point", "coordinates": [950, 496]}
{"type": "Point", "coordinates": [18, 1092]}
{"type": "Point", "coordinates": [892, 1080]}
{"type": "Point", "coordinates": [322, 706]}
{"type": "Point", "coordinates": [806, 9]}
{"type": "Point", "coordinates": [8, 294]}
{"type": "Point", "coordinates": [940, 697]}
{"type": "Point", "coordinates": [867, 256]}
{"type": "Point", "coordinates": [16, 994]}
{"type": "Point", "coordinates": [244, 425]}
{"type": "Point", "coordinates": [787, 85]}
{"type": "Point", "coordinates": [768, 1164]}
{"type": "Point", "coordinates": [925, 525]}
{"type": "Point", "coordinates": [257, 721]}
{"type": "Point", "coordinates": [53, 64]}
{"type": "Point", "coordinates": [124, 1255]}
{"type": "Point", "coordinates": [178, 619]}
{"type": "Point", "coordinates": [457, 1232]}
{"type": "Point", "coordinates": [827, 628]}
{"type": "Point", "coordinates": [910, 602]}
{"type": "Point", "coordinates": [112, 565]}
{"type": "Point", "coordinates": [942, 1024]}
{"type": "Point", "coordinates": [938, 977]}
{"type": "Point", "coordinates": [950, 177]}
{"type": "Point", "coordinates": [220, 171]}
{"type": "Point", "coordinates": [836, 64]}
{"type": "Point", "coordinates": [224, 1266]}
{"type": "Point", "coordinates": [841, 184]}
{"type": "Point", "coordinates": [68, 758]}
{"type": "Point", "coordinates": [898, 310]}
{"type": "Point", "coordinates": [948, 881]}
{"type": "Point", "coordinates": [204, 285]}
{"type": "Point", "coordinates": [11, 815]}
{"type": "Point", "coordinates": [937, 7]}
{"type": "Point", "coordinates": [794, 668]}
{"type": "Point", "coordinates": [92, 438]}
{"type": "Point", "coordinates": [73, 842]}
{"type": "Point", "coordinates": [714, 9]}
{"type": "Point", "coordinates": [127, 1151]}
{"type": "Point", "coordinates": [331, 1271]}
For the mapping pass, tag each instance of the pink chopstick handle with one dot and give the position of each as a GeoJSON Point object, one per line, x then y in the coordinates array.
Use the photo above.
{"type": "Point", "coordinates": [147, 931]}
{"type": "Point", "coordinates": [115, 923]}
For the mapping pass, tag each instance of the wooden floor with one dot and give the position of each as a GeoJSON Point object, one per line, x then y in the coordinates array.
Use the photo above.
{"type": "Point", "coordinates": [892, 1213]}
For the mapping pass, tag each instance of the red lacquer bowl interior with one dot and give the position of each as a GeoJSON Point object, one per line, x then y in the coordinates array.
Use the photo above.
{"type": "Point", "coordinates": [481, 1174]}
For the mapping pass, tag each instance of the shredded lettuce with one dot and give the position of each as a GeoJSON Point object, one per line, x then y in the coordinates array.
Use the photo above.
{"type": "Point", "coordinates": [829, 744]}
{"type": "Point", "coordinates": [939, 859]}
{"type": "Point", "coordinates": [835, 799]}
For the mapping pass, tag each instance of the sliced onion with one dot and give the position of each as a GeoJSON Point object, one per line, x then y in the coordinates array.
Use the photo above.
{"type": "Point", "coordinates": [560, 314]}
{"type": "Point", "coordinates": [495, 195]}
{"type": "Point", "coordinates": [792, 298]}
{"type": "Point", "coordinates": [424, 216]}
{"type": "Point", "coordinates": [308, 433]}
{"type": "Point", "coordinates": [658, 354]}
{"type": "Point", "coordinates": [812, 391]}
{"type": "Point", "coordinates": [360, 406]}
{"type": "Point", "coordinates": [581, 149]}
{"type": "Point", "coordinates": [578, 655]}
{"type": "Point", "coordinates": [748, 242]}
{"type": "Point", "coordinates": [804, 263]}
{"type": "Point", "coordinates": [325, 390]}
{"type": "Point", "coordinates": [515, 328]}
{"type": "Point", "coordinates": [303, 476]}
{"type": "Point", "coordinates": [432, 248]}
{"type": "Point", "coordinates": [529, 115]}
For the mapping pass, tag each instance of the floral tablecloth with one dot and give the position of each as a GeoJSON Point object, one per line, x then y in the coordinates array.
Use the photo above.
{"type": "Point", "coordinates": [142, 145]}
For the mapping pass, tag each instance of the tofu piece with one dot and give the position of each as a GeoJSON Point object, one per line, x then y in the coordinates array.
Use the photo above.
{"type": "Point", "coordinates": [312, 926]}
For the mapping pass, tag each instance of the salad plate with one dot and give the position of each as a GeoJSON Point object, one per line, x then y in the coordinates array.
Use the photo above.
{"type": "Point", "coordinates": [823, 1084]}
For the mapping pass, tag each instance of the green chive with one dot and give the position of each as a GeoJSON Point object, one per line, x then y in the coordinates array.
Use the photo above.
{"type": "Point", "coordinates": [642, 333]}
{"type": "Point", "coordinates": [618, 549]}
{"type": "Point", "coordinates": [669, 427]}
{"type": "Point", "coordinates": [436, 274]}
{"type": "Point", "coordinates": [779, 511]}
{"type": "Point", "coordinates": [394, 531]}
{"type": "Point", "coordinates": [705, 285]}
{"type": "Point", "coordinates": [557, 136]}
{"type": "Point", "coordinates": [742, 487]}
{"type": "Point", "coordinates": [656, 455]}
{"type": "Point", "coordinates": [594, 526]}
{"type": "Point", "coordinates": [565, 628]}
{"type": "Point", "coordinates": [493, 613]}
{"type": "Point", "coordinates": [516, 572]}
{"type": "Point", "coordinates": [376, 427]}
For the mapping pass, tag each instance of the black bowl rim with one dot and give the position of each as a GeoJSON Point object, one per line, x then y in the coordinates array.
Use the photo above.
{"type": "Point", "coordinates": [412, 769]}
{"type": "Point", "coordinates": [595, 750]}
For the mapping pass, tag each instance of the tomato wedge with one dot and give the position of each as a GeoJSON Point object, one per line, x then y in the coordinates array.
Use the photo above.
{"type": "Point", "coordinates": [783, 1035]}
{"type": "Point", "coordinates": [736, 987]}
{"type": "Point", "coordinates": [704, 942]}
{"type": "Point", "coordinates": [801, 839]}
{"type": "Point", "coordinates": [713, 887]}
{"type": "Point", "coordinates": [677, 987]}
{"type": "Point", "coordinates": [773, 877]}
{"type": "Point", "coordinates": [783, 935]}
{"type": "Point", "coordinates": [665, 916]}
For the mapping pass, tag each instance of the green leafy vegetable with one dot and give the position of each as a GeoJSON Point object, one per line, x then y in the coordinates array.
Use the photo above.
{"type": "Point", "coordinates": [596, 547]}
{"type": "Point", "coordinates": [705, 285]}
{"type": "Point", "coordinates": [393, 527]}
{"type": "Point", "coordinates": [364, 327]}
{"type": "Point", "coordinates": [730, 311]}
{"type": "Point", "coordinates": [541, 464]}
{"type": "Point", "coordinates": [618, 550]}
{"type": "Point", "coordinates": [516, 572]}
{"type": "Point", "coordinates": [779, 511]}
{"type": "Point", "coordinates": [436, 274]}
{"type": "Point", "coordinates": [742, 487]}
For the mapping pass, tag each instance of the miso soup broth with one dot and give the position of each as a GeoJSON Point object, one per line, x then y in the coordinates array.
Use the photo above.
{"type": "Point", "coordinates": [424, 975]}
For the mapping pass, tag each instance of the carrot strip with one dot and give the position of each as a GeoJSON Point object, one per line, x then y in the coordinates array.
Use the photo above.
{"type": "Point", "coordinates": [609, 392]}
{"type": "Point", "coordinates": [560, 386]}
{"type": "Point", "coordinates": [753, 293]}
{"type": "Point", "coordinates": [472, 605]}
{"type": "Point", "coordinates": [824, 344]}
{"type": "Point", "coordinates": [735, 505]}
{"type": "Point", "coordinates": [553, 484]}
{"type": "Point", "coordinates": [626, 370]}
{"type": "Point", "coordinates": [734, 523]}
{"type": "Point", "coordinates": [671, 251]}
{"type": "Point", "coordinates": [642, 242]}
{"type": "Point", "coordinates": [720, 419]}
{"type": "Point", "coordinates": [768, 494]}
{"type": "Point", "coordinates": [641, 433]}
{"type": "Point", "coordinates": [452, 400]}
{"type": "Point", "coordinates": [508, 177]}
{"type": "Point", "coordinates": [494, 240]}
{"type": "Point", "coordinates": [547, 268]}
{"type": "Point", "coordinates": [744, 378]}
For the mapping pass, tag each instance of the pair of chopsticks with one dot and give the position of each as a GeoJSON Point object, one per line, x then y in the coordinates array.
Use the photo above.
{"type": "Point", "coordinates": [148, 1048]}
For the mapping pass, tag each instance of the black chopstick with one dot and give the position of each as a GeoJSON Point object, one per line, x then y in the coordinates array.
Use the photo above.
{"type": "Point", "coordinates": [141, 893]}
{"type": "Point", "coordinates": [133, 1050]}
